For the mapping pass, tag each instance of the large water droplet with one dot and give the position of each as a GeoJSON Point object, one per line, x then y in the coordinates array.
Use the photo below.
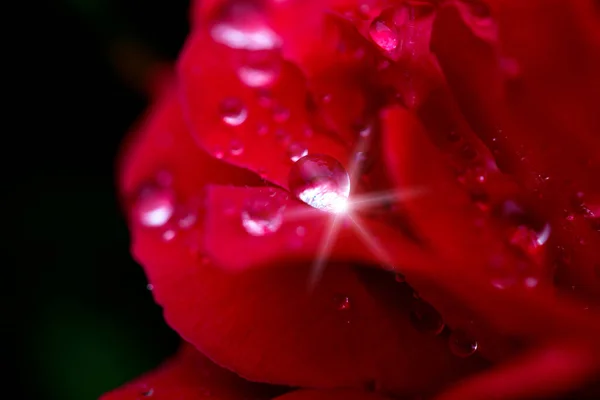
{"type": "Point", "coordinates": [384, 33]}
{"type": "Point", "coordinates": [296, 151]}
{"type": "Point", "coordinates": [321, 182]}
{"type": "Point", "coordinates": [426, 319]}
{"type": "Point", "coordinates": [263, 214]}
{"type": "Point", "coordinates": [260, 68]}
{"type": "Point", "coordinates": [461, 344]}
{"type": "Point", "coordinates": [242, 25]}
{"type": "Point", "coordinates": [154, 206]}
{"type": "Point", "coordinates": [233, 112]}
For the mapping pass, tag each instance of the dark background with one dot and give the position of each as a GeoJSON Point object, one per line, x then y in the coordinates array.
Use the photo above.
{"type": "Point", "coordinates": [81, 320]}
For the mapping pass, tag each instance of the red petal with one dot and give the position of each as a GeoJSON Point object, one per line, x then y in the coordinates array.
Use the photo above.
{"type": "Point", "coordinates": [191, 376]}
{"type": "Point", "coordinates": [459, 285]}
{"type": "Point", "coordinates": [262, 323]}
{"type": "Point", "coordinates": [228, 243]}
{"type": "Point", "coordinates": [538, 123]}
{"type": "Point", "coordinates": [330, 395]}
{"type": "Point", "coordinates": [262, 142]}
{"type": "Point", "coordinates": [161, 144]}
{"type": "Point", "coordinates": [548, 372]}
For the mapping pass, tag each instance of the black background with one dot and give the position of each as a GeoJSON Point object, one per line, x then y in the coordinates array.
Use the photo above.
{"type": "Point", "coordinates": [81, 320]}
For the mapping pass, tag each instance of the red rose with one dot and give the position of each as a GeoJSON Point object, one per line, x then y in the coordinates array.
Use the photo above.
{"type": "Point", "coordinates": [464, 264]}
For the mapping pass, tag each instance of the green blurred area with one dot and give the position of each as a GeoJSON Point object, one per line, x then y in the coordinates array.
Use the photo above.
{"type": "Point", "coordinates": [80, 318]}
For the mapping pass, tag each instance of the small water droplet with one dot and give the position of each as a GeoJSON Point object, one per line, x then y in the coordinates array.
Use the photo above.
{"type": "Point", "coordinates": [341, 302]}
{"type": "Point", "coordinates": [296, 151]}
{"type": "Point", "coordinates": [263, 214]}
{"type": "Point", "coordinates": [281, 114]}
{"type": "Point", "coordinates": [321, 182]}
{"type": "Point", "coordinates": [282, 135]}
{"type": "Point", "coordinates": [168, 235]}
{"type": "Point", "coordinates": [383, 32]}
{"type": "Point", "coordinates": [426, 319]}
{"type": "Point", "coordinates": [154, 206]}
{"type": "Point", "coordinates": [262, 129]}
{"type": "Point", "coordinates": [236, 147]}
{"type": "Point", "coordinates": [461, 345]}
{"type": "Point", "coordinates": [218, 153]}
{"type": "Point", "coordinates": [148, 393]}
{"type": "Point", "coordinates": [233, 112]}
{"type": "Point", "coordinates": [300, 231]}
{"type": "Point", "coordinates": [400, 278]}
{"type": "Point", "coordinates": [150, 287]}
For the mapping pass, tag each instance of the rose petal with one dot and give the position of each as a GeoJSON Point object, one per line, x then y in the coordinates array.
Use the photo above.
{"type": "Point", "coordinates": [191, 376]}
{"type": "Point", "coordinates": [298, 239]}
{"type": "Point", "coordinates": [520, 122]}
{"type": "Point", "coordinates": [264, 324]}
{"type": "Point", "coordinates": [161, 144]}
{"type": "Point", "coordinates": [265, 136]}
{"type": "Point", "coordinates": [548, 372]}
{"type": "Point", "coordinates": [461, 290]}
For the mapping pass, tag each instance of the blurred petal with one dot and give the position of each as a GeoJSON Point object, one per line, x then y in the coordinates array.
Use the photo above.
{"type": "Point", "coordinates": [191, 376]}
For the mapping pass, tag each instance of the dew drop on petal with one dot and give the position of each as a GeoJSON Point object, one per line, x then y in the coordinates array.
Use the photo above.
{"type": "Point", "coordinates": [296, 151]}
{"type": "Point", "coordinates": [262, 214]}
{"type": "Point", "coordinates": [236, 147]}
{"type": "Point", "coordinates": [281, 114]}
{"type": "Point", "coordinates": [233, 112]}
{"type": "Point", "coordinates": [150, 287]}
{"type": "Point", "coordinates": [260, 68]}
{"type": "Point", "coordinates": [154, 206]}
{"type": "Point", "coordinates": [384, 34]}
{"type": "Point", "coordinates": [168, 235]}
{"type": "Point", "coordinates": [321, 182]}
{"type": "Point", "coordinates": [341, 302]}
{"type": "Point", "coordinates": [426, 319]}
{"type": "Point", "coordinates": [241, 25]}
{"type": "Point", "coordinates": [461, 345]}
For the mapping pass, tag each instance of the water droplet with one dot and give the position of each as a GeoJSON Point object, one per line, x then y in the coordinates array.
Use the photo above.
{"type": "Point", "coordinates": [400, 278]}
{"type": "Point", "coordinates": [150, 287]}
{"type": "Point", "coordinates": [321, 182]}
{"type": "Point", "coordinates": [242, 25]}
{"type": "Point", "coordinates": [236, 147]}
{"type": "Point", "coordinates": [425, 318]}
{"type": "Point", "coordinates": [263, 214]}
{"type": "Point", "coordinates": [296, 151]}
{"type": "Point", "coordinates": [168, 235]}
{"type": "Point", "coordinates": [154, 206]}
{"type": "Point", "coordinates": [218, 153]}
{"type": "Point", "coordinates": [260, 68]}
{"type": "Point", "coordinates": [461, 345]}
{"type": "Point", "coordinates": [233, 112]}
{"type": "Point", "coordinates": [383, 33]}
{"type": "Point", "coordinates": [281, 114]}
{"type": "Point", "coordinates": [342, 303]}
{"type": "Point", "coordinates": [262, 129]}
{"type": "Point", "coordinates": [282, 135]}
{"type": "Point", "coordinates": [148, 393]}
{"type": "Point", "coordinates": [300, 231]}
